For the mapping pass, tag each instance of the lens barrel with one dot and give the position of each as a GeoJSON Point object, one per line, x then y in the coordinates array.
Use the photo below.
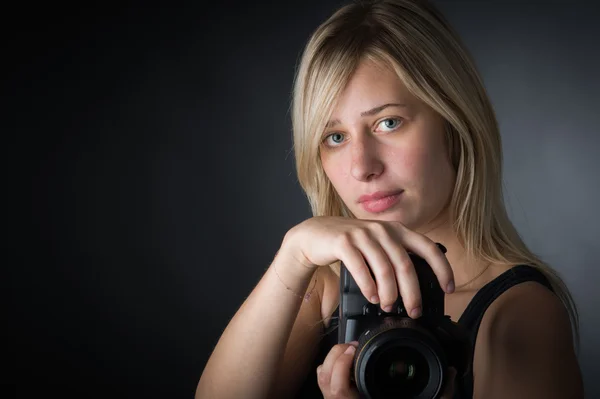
{"type": "Point", "coordinates": [399, 359]}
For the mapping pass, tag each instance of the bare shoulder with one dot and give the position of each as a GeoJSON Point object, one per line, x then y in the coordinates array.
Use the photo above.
{"type": "Point", "coordinates": [524, 347]}
{"type": "Point", "coordinates": [524, 309]}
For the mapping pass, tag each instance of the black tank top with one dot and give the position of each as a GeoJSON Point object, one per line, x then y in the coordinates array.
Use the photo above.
{"type": "Point", "coordinates": [470, 319]}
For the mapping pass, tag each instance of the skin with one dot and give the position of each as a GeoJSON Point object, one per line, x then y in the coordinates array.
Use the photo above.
{"type": "Point", "coordinates": [524, 345]}
{"type": "Point", "coordinates": [362, 155]}
{"type": "Point", "coordinates": [403, 147]}
{"type": "Point", "coordinates": [400, 147]}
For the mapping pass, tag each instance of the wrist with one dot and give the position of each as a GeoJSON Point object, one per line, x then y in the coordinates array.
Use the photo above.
{"type": "Point", "coordinates": [301, 285]}
{"type": "Point", "coordinates": [291, 267]}
{"type": "Point", "coordinates": [290, 252]}
{"type": "Point", "coordinates": [294, 277]}
{"type": "Point", "coordinates": [291, 261]}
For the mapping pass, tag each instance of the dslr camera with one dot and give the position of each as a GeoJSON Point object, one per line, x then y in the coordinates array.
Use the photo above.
{"type": "Point", "coordinates": [399, 357]}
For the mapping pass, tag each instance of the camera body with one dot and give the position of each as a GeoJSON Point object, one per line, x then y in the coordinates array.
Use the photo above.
{"type": "Point", "coordinates": [399, 357]}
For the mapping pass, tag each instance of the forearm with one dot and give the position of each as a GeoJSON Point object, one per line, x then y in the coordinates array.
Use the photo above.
{"type": "Point", "coordinates": [244, 362]}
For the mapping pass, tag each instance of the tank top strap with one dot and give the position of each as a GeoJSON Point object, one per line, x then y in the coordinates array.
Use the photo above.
{"type": "Point", "coordinates": [473, 314]}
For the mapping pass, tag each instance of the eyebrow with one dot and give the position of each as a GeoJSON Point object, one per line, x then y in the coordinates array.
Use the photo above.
{"type": "Point", "coordinates": [371, 112]}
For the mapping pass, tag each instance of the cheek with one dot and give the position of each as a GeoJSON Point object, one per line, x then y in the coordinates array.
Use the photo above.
{"type": "Point", "coordinates": [435, 171]}
{"type": "Point", "coordinates": [335, 173]}
{"type": "Point", "coordinates": [421, 167]}
{"type": "Point", "coordinates": [340, 179]}
{"type": "Point", "coordinates": [408, 163]}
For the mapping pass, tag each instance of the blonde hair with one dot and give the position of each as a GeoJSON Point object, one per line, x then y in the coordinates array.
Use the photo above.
{"type": "Point", "coordinates": [415, 40]}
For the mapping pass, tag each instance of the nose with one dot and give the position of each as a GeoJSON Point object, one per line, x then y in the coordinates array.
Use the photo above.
{"type": "Point", "coordinates": [366, 163]}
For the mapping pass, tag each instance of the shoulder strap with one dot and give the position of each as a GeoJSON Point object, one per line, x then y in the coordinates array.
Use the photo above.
{"type": "Point", "coordinates": [473, 314]}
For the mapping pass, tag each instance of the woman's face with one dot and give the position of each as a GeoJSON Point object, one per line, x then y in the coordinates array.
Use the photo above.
{"type": "Point", "coordinates": [383, 139]}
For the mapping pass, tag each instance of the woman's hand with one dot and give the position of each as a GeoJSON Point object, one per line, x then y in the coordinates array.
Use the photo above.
{"type": "Point", "coordinates": [333, 375]}
{"type": "Point", "coordinates": [383, 245]}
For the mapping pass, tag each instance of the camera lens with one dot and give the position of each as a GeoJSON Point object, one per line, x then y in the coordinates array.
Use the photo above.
{"type": "Point", "coordinates": [398, 361]}
{"type": "Point", "coordinates": [399, 372]}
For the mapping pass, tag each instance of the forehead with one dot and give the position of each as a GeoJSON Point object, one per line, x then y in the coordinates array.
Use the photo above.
{"type": "Point", "coordinates": [371, 85]}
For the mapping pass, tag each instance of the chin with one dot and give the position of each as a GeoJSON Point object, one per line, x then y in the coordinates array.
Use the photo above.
{"type": "Point", "coordinates": [410, 221]}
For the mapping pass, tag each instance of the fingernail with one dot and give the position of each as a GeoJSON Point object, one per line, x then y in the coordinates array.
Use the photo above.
{"type": "Point", "coordinates": [350, 350]}
{"type": "Point", "coordinates": [319, 369]}
{"type": "Point", "coordinates": [416, 312]}
{"type": "Point", "coordinates": [374, 299]}
{"type": "Point", "coordinates": [353, 343]}
{"type": "Point", "coordinates": [450, 288]}
{"type": "Point", "coordinates": [388, 308]}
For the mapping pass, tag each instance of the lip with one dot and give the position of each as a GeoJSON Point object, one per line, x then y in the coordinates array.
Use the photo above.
{"type": "Point", "coordinates": [378, 195]}
{"type": "Point", "coordinates": [380, 200]}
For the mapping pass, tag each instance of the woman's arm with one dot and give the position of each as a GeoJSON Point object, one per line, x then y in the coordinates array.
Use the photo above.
{"type": "Point", "coordinates": [307, 333]}
{"type": "Point", "coordinates": [525, 348]}
{"type": "Point", "coordinates": [245, 361]}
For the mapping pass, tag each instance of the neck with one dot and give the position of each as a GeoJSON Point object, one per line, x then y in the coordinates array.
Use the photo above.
{"type": "Point", "coordinates": [464, 269]}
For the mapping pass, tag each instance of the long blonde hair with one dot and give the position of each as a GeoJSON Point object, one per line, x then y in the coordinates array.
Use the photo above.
{"type": "Point", "coordinates": [415, 40]}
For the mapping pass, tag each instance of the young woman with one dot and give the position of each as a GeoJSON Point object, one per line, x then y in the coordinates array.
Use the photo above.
{"type": "Point", "coordinates": [397, 148]}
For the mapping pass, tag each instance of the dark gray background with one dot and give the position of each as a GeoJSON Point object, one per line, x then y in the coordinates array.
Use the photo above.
{"type": "Point", "coordinates": [151, 177]}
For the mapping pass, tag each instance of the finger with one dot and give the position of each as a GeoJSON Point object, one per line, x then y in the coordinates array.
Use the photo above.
{"type": "Point", "coordinates": [355, 263]}
{"type": "Point", "coordinates": [340, 385]}
{"type": "Point", "coordinates": [428, 250]}
{"type": "Point", "coordinates": [406, 276]}
{"type": "Point", "coordinates": [381, 266]}
{"type": "Point", "coordinates": [335, 352]}
{"type": "Point", "coordinates": [324, 371]}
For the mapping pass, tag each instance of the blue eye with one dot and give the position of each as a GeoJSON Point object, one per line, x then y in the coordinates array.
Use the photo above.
{"type": "Point", "coordinates": [393, 125]}
{"type": "Point", "coordinates": [390, 124]}
{"type": "Point", "coordinates": [341, 136]}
